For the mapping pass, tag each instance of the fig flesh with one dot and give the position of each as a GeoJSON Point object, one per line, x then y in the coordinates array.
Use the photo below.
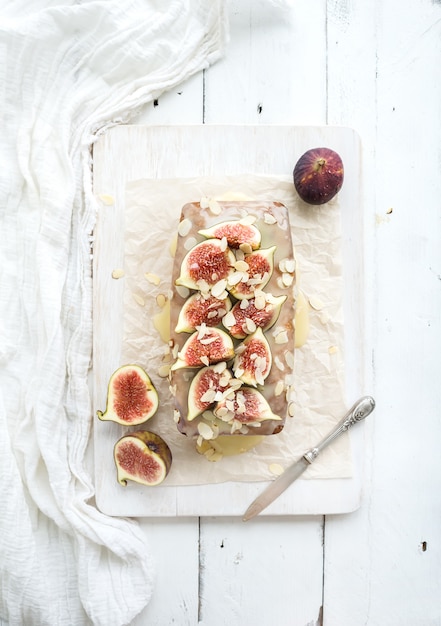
{"type": "Point", "coordinates": [198, 310]}
{"type": "Point", "coordinates": [236, 233]}
{"type": "Point", "coordinates": [206, 264]}
{"type": "Point", "coordinates": [318, 175]}
{"type": "Point", "coordinates": [246, 406]}
{"type": "Point", "coordinates": [247, 315]}
{"type": "Point", "coordinates": [207, 388]}
{"type": "Point", "coordinates": [131, 397]}
{"type": "Point", "coordinates": [205, 346]}
{"type": "Point", "coordinates": [253, 359]}
{"type": "Point", "coordinates": [143, 457]}
{"type": "Point", "coordinates": [256, 275]}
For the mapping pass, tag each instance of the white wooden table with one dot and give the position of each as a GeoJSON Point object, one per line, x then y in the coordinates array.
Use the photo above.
{"type": "Point", "coordinates": [372, 66]}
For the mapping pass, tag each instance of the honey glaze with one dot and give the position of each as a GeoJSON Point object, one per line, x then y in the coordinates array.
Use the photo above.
{"type": "Point", "coordinates": [272, 220]}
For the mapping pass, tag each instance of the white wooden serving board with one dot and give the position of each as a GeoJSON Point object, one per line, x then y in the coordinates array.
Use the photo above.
{"type": "Point", "coordinates": [127, 153]}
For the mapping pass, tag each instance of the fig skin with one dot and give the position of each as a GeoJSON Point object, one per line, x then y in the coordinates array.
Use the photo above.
{"type": "Point", "coordinates": [318, 175]}
{"type": "Point", "coordinates": [131, 397]}
{"type": "Point", "coordinates": [143, 457]}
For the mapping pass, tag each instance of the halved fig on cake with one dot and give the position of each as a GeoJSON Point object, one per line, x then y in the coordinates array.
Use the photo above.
{"type": "Point", "coordinates": [257, 273]}
{"type": "Point", "coordinates": [237, 233]}
{"type": "Point", "coordinates": [246, 406]}
{"type": "Point", "coordinates": [143, 457]}
{"type": "Point", "coordinates": [131, 397]}
{"type": "Point", "coordinates": [207, 388]}
{"type": "Point", "coordinates": [253, 359]}
{"type": "Point", "coordinates": [205, 346]}
{"type": "Point", "coordinates": [198, 309]}
{"type": "Point", "coordinates": [247, 315]}
{"type": "Point", "coordinates": [206, 264]}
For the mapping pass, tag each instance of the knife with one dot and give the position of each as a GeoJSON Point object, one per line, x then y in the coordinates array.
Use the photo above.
{"type": "Point", "coordinates": [361, 409]}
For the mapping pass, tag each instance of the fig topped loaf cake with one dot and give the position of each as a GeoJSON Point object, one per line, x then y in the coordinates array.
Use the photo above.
{"type": "Point", "coordinates": [232, 318]}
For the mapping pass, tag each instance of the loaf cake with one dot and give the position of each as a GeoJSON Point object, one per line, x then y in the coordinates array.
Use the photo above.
{"type": "Point", "coordinates": [232, 318]}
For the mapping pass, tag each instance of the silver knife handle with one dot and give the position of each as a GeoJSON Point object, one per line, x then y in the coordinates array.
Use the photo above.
{"type": "Point", "coordinates": [358, 412]}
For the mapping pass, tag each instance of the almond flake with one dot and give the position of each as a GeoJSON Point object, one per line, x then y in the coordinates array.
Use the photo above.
{"type": "Point", "coordinates": [219, 367]}
{"type": "Point", "coordinates": [205, 360]}
{"type": "Point", "coordinates": [203, 202]}
{"type": "Point", "coordinates": [164, 370]}
{"type": "Point", "coordinates": [106, 199]}
{"type": "Point", "coordinates": [208, 396]}
{"type": "Point", "coordinates": [214, 207]}
{"type": "Point", "coordinates": [279, 363]}
{"type": "Point", "coordinates": [244, 304]}
{"type": "Point", "coordinates": [212, 314]}
{"type": "Point", "coordinates": [332, 349]}
{"type": "Point", "coordinates": [139, 299]}
{"type": "Point", "coordinates": [260, 302]}
{"type": "Point", "coordinates": [241, 266]}
{"type": "Point", "coordinates": [248, 220]}
{"type": "Point", "coordinates": [161, 300]}
{"type": "Point", "coordinates": [289, 358]}
{"type": "Point", "coordinates": [316, 303]}
{"type": "Point", "coordinates": [245, 247]}
{"type": "Point", "coordinates": [276, 469]}
{"type": "Point", "coordinates": [287, 279]}
{"type": "Point", "coordinates": [236, 277]}
{"type": "Point", "coordinates": [184, 227]}
{"type": "Point", "coordinates": [207, 340]}
{"type": "Point", "coordinates": [281, 337]}
{"type": "Point", "coordinates": [224, 244]}
{"type": "Point", "coordinates": [291, 409]}
{"type": "Point", "coordinates": [190, 243]}
{"type": "Point", "coordinates": [176, 416]}
{"type": "Point", "coordinates": [119, 273]}
{"type": "Point", "coordinates": [268, 218]}
{"type": "Point", "coordinates": [279, 388]}
{"type": "Point", "coordinates": [229, 320]}
{"type": "Point", "coordinates": [152, 278]}
{"type": "Point", "coordinates": [250, 325]}
{"type": "Point", "coordinates": [219, 288]}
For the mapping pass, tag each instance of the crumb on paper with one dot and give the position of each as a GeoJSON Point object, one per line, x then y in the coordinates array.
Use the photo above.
{"type": "Point", "coordinates": [106, 199]}
{"type": "Point", "coordinates": [333, 349]}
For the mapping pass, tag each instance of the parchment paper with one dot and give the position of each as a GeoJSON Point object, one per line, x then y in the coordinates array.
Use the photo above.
{"type": "Point", "coordinates": [152, 214]}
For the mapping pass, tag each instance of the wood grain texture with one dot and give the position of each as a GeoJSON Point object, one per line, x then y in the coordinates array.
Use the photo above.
{"type": "Point", "coordinates": [392, 95]}
{"type": "Point", "coordinates": [373, 67]}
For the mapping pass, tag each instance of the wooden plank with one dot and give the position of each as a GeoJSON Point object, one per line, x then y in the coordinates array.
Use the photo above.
{"type": "Point", "coordinates": [391, 573]}
{"type": "Point", "coordinates": [128, 153]}
{"type": "Point", "coordinates": [265, 573]}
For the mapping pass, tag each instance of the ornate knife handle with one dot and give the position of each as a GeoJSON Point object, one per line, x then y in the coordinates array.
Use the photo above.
{"type": "Point", "coordinates": [358, 412]}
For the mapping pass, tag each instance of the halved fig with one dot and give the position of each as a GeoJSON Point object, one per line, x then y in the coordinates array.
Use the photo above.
{"type": "Point", "coordinates": [246, 406]}
{"type": "Point", "coordinates": [206, 263]}
{"type": "Point", "coordinates": [205, 346]}
{"type": "Point", "coordinates": [143, 457]}
{"type": "Point", "coordinates": [207, 388]}
{"type": "Point", "coordinates": [259, 271]}
{"type": "Point", "coordinates": [253, 359]}
{"type": "Point", "coordinates": [248, 315]}
{"type": "Point", "coordinates": [236, 233]}
{"type": "Point", "coordinates": [131, 397]}
{"type": "Point", "coordinates": [198, 310]}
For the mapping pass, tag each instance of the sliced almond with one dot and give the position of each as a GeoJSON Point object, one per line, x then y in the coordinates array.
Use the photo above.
{"type": "Point", "coordinates": [316, 303]}
{"type": "Point", "coordinates": [106, 199]}
{"type": "Point", "coordinates": [184, 227]}
{"type": "Point", "coordinates": [268, 218]}
{"type": "Point", "coordinates": [139, 299]}
{"type": "Point", "coordinates": [190, 243]}
{"type": "Point", "coordinates": [154, 279]}
{"type": "Point", "coordinates": [119, 273]}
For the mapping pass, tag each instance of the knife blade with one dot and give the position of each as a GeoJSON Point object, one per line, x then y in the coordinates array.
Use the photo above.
{"type": "Point", "coordinates": [359, 411]}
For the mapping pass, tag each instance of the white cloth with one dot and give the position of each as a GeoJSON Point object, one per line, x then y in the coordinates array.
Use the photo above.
{"type": "Point", "coordinates": [68, 68]}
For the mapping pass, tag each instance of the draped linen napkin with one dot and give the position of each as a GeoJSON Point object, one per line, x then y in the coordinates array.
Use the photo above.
{"type": "Point", "coordinates": [69, 69]}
